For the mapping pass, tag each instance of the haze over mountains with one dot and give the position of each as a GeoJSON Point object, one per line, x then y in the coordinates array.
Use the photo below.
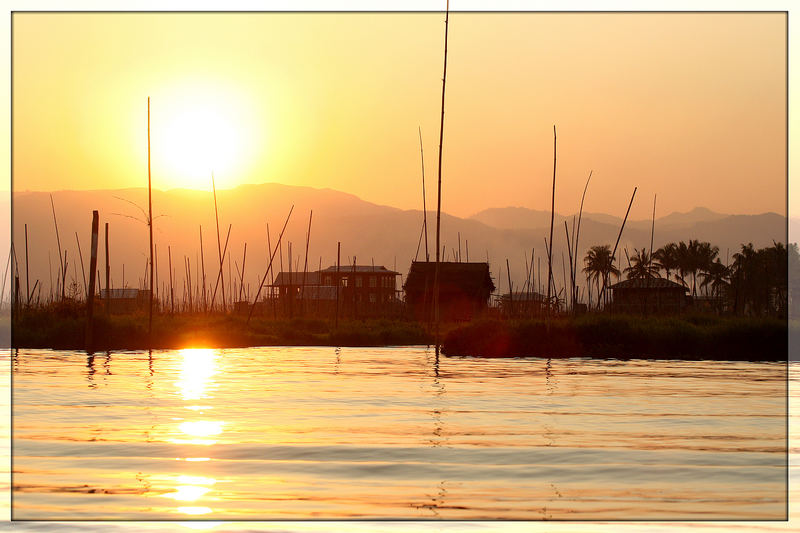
{"type": "Point", "coordinates": [370, 232]}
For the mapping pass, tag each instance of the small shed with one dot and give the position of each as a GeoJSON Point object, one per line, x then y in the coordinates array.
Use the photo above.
{"type": "Point", "coordinates": [649, 295]}
{"type": "Point", "coordinates": [464, 290]}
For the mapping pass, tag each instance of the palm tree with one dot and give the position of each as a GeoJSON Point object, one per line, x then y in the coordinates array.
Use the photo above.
{"type": "Point", "coordinates": [642, 265]}
{"type": "Point", "coordinates": [716, 275]}
{"type": "Point", "coordinates": [704, 257]}
{"type": "Point", "coordinates": [600, 265]}
{"type": "Point", "coordinates": [667, 257]}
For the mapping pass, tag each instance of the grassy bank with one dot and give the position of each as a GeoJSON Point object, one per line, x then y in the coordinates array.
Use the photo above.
{"type": "Point", "coordinates": [622, 336]}
{"type": "Point", "coordinates": [64, 328]}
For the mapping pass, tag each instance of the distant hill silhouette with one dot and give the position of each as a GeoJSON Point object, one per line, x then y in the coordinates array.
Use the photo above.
{"type": "Point", "coordinates": [370, 232]}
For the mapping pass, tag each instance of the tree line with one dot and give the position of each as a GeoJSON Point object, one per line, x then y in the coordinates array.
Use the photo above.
{"type": "Point", "coordinates": [755, 282]}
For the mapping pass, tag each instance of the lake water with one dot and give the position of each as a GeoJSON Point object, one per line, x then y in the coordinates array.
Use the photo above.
{"type": "Point", "coordinates": [364, 433]}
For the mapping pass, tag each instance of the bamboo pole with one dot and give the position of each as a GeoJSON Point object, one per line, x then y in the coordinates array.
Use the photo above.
{"type": "Point", "coordinates": [439, 187]}
{"type": "Point", "coordinates": [219, 245]}
{"type": "Point", "coordinates": [27, 276]}
{"type": "Point", "coordinates": [269, 266]}
{"type": "Point", "coordinates": [613, 254]}
{"type": "Point", "coordinates": [578, 229]}
{"type": "Point", "coordinates": [171, 289]}
{"type": "Point", "coordinates": [510, 290]}
{"type": "Point", "coordinates": [108, 275]}
{"type": "Point", "coordinates": [272, 278]}
{"type": "Point", "coordinates": [241, 279]}
{"type": "Point", "coordinates": [338, 283]}
{"type": "Point", "coordinates": [552, 216]}
{"type": "Point", "coordinates": [150, 224]}
{"type": "Point", "coordinates": [203, 265]}
{"type": "Point", "coordinates": [424, 206]}
{"type": "Point", "coordinates": [80, 255]}
{"type": "Point", "coordinates": [219, 274]}
{"type": "Point", "coordinates": [305, 267]}
{"type": "Point", "coordinates": [58, 241]}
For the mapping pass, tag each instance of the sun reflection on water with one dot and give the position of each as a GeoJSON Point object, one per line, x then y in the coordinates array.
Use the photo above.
{"type": "Point", "coordinates": [198, 367]}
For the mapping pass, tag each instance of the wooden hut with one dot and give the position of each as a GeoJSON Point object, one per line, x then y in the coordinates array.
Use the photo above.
{"type": "Point", "coordinates": [464, 290]}
{"type": "Point", "coordinates": [654, 295]}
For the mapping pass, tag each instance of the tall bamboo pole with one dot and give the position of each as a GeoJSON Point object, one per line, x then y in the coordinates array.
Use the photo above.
{"type": "Point", "coordinates": [80, 255]}
{"type": "Point", "coordinates": [203, 266]}
{"type": "Point", "coordinates": [613, 254]}
{"type": "Point", "coordinates": [424, 206]}
{"type": "Point", "coordinates": [219, 245]}
{"type": "Point", "coordinates": [27, 276]}
{"type": "Point", "coordinates": [269, 266]}
{"type": "Point", "coordinates": [150, 224]}
{"type": "Point", "coordinates": [58, 241]}
{"type": "Point", "coordinates": [578, 229]}
{"type": "Point", "coordinates": [552, 216]}
{"type": "Point", "coordinates": [338, 282]}
{"type": "Point", "coordinates": [439, 187]}
{"type": "Point", "coordinates": [171, 290]}
{"type": "Point", "coordinates": [305, 267]}
{"type": "Point", "coordinates": [108, 275]}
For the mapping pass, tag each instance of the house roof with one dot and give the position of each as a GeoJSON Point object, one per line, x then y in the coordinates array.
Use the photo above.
{"type": "Point", "coordinates": [283, 278]}
{"type": "Point", "coordinates": [651, 283]}
{"type": "Point", "coordinates": [377, 269]}
{"type": "Point", "coordinates": [466, 276]}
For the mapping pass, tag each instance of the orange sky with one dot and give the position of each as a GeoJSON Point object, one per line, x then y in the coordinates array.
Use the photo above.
{"type": "Point", "coordinates": [687, 106]}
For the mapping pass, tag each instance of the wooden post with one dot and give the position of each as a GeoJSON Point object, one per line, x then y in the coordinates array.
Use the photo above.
{"type": "Point", "coordinates": [92, 280]}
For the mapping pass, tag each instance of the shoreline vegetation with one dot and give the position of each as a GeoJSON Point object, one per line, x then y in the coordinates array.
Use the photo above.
{"type": "Point", "coordinates": [613, 336]}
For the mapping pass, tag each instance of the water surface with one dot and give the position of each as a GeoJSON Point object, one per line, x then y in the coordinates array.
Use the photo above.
{"type": "Point", "coordinates": [361, 433]}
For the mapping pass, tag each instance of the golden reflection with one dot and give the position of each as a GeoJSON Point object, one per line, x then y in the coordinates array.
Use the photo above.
{"type": "Point", "coordinates": [187, 493]}
{"type": "Point", "coordinates": [197, 368]}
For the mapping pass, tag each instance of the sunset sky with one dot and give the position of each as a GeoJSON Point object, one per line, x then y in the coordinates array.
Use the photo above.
{"type": "Point", "coordinates": [691, 107]}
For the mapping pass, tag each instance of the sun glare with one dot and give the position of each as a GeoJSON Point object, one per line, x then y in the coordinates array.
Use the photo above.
{"type": "Point", "coordinates": [197, 130]}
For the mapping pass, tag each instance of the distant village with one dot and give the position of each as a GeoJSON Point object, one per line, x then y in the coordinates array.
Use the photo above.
{"type": "Point", "coordinates": [675, 279]}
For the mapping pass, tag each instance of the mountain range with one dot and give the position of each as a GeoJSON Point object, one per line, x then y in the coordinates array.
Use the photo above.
{"type": "Point", "coordinates": [368, 232]}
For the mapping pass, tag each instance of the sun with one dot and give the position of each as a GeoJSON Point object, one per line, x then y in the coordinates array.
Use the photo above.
{"type": "Point", "coordinates": [197, 130]}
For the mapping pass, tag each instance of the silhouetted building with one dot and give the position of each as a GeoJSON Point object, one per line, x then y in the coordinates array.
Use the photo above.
{"type": "Point", "coordinates": [654, 295]}
{"type": "Point", "coordinates": [363, 292]}
{"type": "Point", "coordinates": [464, 290]}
